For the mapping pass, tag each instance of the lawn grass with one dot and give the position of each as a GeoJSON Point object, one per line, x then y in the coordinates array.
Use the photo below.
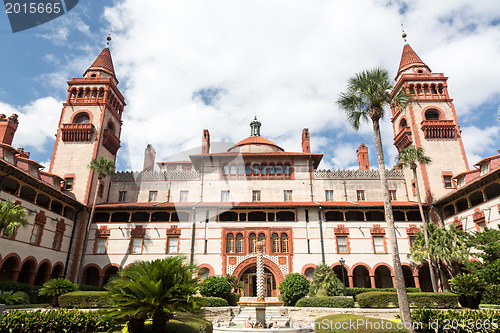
{"type": "Point", "coordinates": [180, 323]}
{"type": "Point", "coordinates": [346, 323]}
{"type": "Point", "coordinates": [489, 306]}
{"type": "Point", "coordinates": [27, 306]}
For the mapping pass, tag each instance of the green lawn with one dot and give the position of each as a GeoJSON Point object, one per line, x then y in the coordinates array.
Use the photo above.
{"type": "Point", "coordinates": [344, 323]}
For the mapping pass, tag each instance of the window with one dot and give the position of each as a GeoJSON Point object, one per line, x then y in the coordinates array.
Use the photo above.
{"type": "Point", "coordinates": [432, 114]}
{"type": "Point", "coordinates": [171, 167]}
{"type": "Point", "coordinates": [230, 243]}
{"type": "Point", "coordinates": [8, 156]}
{"type": "Point", "coordinates": [153, 196]}
{"type": "Point", "coordinates": [82, 118]}
{"type": "Point", "coordinates": [256, 195]}
{"type": "Point", "coordinates": [328, 195]}
{"type": "Point", "coordinates": [172, 244]}
{"type": "Point", "coordinates": [122, 196]}
{"type": "Point", "coordinates": [224, 196]}
{"type": "Point", "coordinates": [412, 240]}
{"type": "Point", "coordinates": [360, 194]}
{"type": "Point", "coordinates": [263, 169]}
{"type": "Point", "coordinates": [36, 234]}
{"type": "Point", "coordinates": [68, 183]}
{"type": "Point", "coordinates": [225, 170]}
{"type": "Point", "coordinates": [184, 196]}
{"type": "Point", "coordinates": [136, 245]}
{"type": "Point", "coordinates": [461, 181]}
{"type": "Point", "coordinates": [56, 244]}
{"type": "Point", "coordinates": [392, 195]}
{"type": "Point", "coordinates": [275, 242]}
{"type": "Point", "coordinates": [279, 169]}
{"type": "Point", "coordinates": [252, 241]}
{"type": "Point", "coordinates": [186, 168]}
{"type": "Point", "coordinates": [284, 243]}
{"type": "Point", "coordinates": [233, 171]}
{"type": "Point", "coordinates": [288, 170]}
{"type": "Point", "coordinates": [101, 245]}
{"type": "Point", "coordinates": [341, 244]}
{"type": "Point", "coordinates": [33, 170]}
{"type": "Point", "coordinates": [447, 182]}
{"type": "Point", "coordinates": [271, 170]}
{"type": "Point", "coordinates": [378, 244]}
{"type": "Point", "coordinates": [485, 168]}
{"type": "Point", "coordinates": [262, 238]}
{"type": "Point", "coordinates": [239, 243]}
{"type": "Point", "coordinates": [287, 195]}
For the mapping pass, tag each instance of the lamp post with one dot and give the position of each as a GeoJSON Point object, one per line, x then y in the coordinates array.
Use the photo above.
{"type": "Point", "coordinates": [342, 262]}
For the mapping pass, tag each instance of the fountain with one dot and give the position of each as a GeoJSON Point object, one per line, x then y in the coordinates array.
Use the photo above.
{"type": "Point", "coordinates": [252, 307]}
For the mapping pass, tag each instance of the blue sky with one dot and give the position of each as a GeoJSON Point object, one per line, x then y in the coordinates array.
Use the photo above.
{"type": "Point", "coordinates": [188, 65]}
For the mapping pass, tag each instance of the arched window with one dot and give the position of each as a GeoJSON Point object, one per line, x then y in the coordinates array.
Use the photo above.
{"type": "Point", "coordinates": [256, 170]}
{"type": "Point", "coordinates": [403, 124]}
{"type": "Point", "coordinates": [262, 238]}
{"type": "Point", "coordinates": [239, 243]}
{"type": "Point", "coordinates": [230, 243]}
{"type": "Point", "coordinates": [82, 118]}
{"type": "Point", "coordinates": [233, 170]}
{"type": "Point", "coordinates": [252, 241]}
{"type": "Point", "coordinates": [279, 169]}
{"type": "Point", "coordinates": [241, 171]}
{"type": "Point", "coordinates": [225, 170]}
{"type": "Point", "coordinates": [248, 170]}
{"type": "Point", "coordinates": [111, 127]}
{"type": "Point", "coordinates": [275, 242]}
{"type": "Point", "coordinates": [432, 114]}
{"type": "Point", "coordinates": [272, 171]}
{"type": "Point", "coordinates": [284, 242]}
{"type": "Point", "coordinates": [263, 169]}
{"type": "Point", "coordinates": [288, 170]}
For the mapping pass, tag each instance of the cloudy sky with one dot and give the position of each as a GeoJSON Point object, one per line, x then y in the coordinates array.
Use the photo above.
{"type": "Point", "coordinates": [188, 65]}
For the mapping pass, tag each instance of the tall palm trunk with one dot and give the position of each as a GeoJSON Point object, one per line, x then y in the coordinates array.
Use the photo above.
{"type": "Point", "coordinates": [426, 236]}
{"type": "Point", "coordinates": [404, 306]}
{"type": "Point", "coordinates": [87, 231]}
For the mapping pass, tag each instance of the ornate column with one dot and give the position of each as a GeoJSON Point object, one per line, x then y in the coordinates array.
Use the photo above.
{"type": "Point", "coordinates": [260, 272]}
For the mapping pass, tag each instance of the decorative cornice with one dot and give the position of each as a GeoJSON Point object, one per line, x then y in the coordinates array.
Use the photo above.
{"type": "Point", "coordinates": [478, 216]}
{"type": "Point", "coordinates": [377, 230]}
{"type": "Point", "coordinates": [103, 232]}
{"type": "Point", "coordinates": [154, 175]}
{"type": "Point", "coordinates": [138, 231]}
{"type": "Point", "coordinates": [341, 230]}
{"type": "Point", "coordinates": [40, 218]}
{"type": "Point", "coordinates": [412, 230]}
{"type": "Point", "coordinates": [173, 231]}
{"type": "Point", "coordinates": [357, 174]}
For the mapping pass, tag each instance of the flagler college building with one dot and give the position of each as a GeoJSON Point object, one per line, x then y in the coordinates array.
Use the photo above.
{"type": "Point", "coordinates": [214, 206]}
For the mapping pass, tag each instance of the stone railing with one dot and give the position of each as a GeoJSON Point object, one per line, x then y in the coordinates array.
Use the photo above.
{"type": "Point", "coordinates": [356, 174]}
{"type": "Point", "coordinates": [77, 132]}
{"type": "Point", "coordinates": [154, 175]}
{"type": "Point", "coordinates": [439, 129]}
{"type": "Point", "coordinates": [403, 139]}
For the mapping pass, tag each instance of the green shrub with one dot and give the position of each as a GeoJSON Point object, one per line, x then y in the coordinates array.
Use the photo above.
{"type": "Point", "coordinates": [380, 299]}
{"type": "Point", "coordinates": [327, 324]}
{"type": "Point", "coordinates": [469, 289]}
{"type": "Point", "coordinates": [356, 291]}
{"type": "Point", "coordinates": [87, 287]}
{"type": "Point", "coordinates": [54, 321]}
{"type": "Point", "coordinates": [11, 297]}
{"type": "Point", "coordinates": [215, 286]}
{"type": "Point", "coordinates": [85, 300]}
{"type": "Point", "coordinates": [326, 302]}
{"type": "Point", "coordinates": [32, 291]}
{"type": "Point", "coordinates": [325, 282]}
{"type": "Point", "coordinates": [56, 288]}
{"type": "Point", "coordinates": [233, 299]}
{"type": "Point", "coordinates": [456, 321]}
{"type": "Point", "coordinates": [293, 287]}
{"type": "Point", "coordinates": [491, 295]}
{"type": "Point", "coordinates": [211, 301]}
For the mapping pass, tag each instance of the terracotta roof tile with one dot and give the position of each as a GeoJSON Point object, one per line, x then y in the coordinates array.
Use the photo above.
{"type": "Point", "coordinates": [409, 58]}
{"type": "Point", "coordinates": [104, 62]}
{"type": "Point", "coordinates": [259, 140]}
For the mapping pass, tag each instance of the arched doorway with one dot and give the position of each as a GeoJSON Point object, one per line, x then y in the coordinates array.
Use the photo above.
{"type": "Point", "coordinates": [42, 274]}
{"type": "Point", "coordinates": [383, 278]}
{"type": "Point", "coordinates": [408, 277]}
{"type": "Point", "coordinates": [8, 268]}
{"type": "Point", "coordinates": [249, 278]}
{"type": "Point", "coordinates": [110, 272]}
{"type": "Point", "coordinates": [27, 271]}
{"type": "Point", "coordinates": [338, 272]}
{"type": "Point", "coordinates": [57, 272]}
{"type": "Point", "coordinates": [90, 276]}
{"type": "Point", "coordinates": [361, 277]}
{"type": "Point", "coordinates": [424, 278]}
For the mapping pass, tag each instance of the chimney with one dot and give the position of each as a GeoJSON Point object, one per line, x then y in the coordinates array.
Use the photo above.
{"type": "Point", "coordinates": [205, 142]}
{"type": "Point", "coordinates": [306, 141]}
{"type": "Point", "coordinates": [149, 158]}
{"type": "Point", "coordinates": [362, 153]}
{"type": "Point", "coordinates": [8, 127]}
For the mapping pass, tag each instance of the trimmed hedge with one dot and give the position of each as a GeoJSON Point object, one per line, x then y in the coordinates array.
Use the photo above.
{"type": "Point", "coordinates": [54, 321]}
{"type": "Point", "coordinates": [326, 302]}
{"type": "Point", "coordinates": [379, 299]}
{"type": "Point", "coordinates": [85, 300]}
{"type": "Point", "coordinates": [212, 302]}
{"type": "Point", "coordinates": [32, 291]}
{"type": "Point", "coordinates": [491, 295]}
{"type": "Point", "coordinates": [356, 291]}
{"type": "Point", "coordinates": [180, 323]}
{"type": "Point", "coordinates": [456, 321]}
{"type": "Point", "coordinates": [215, 286]}
{"type": "Point", "coordinates": [87, 287]}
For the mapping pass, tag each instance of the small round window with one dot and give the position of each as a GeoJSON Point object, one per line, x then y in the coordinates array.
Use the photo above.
{"type": "Point", "coordinates": [82, 118]}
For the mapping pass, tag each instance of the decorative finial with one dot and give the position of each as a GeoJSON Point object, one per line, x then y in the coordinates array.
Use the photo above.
{"type": "Point", "coordinates": [109, 37]}
{"type": "Point", "coordinates": [255, 127]}
{"type": "Point", "coordinates": [404, 33]}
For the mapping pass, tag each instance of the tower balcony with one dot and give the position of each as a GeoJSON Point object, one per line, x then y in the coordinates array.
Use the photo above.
{"type": "Point", "coordinates": [439, 129]}
{"type": "Point", "coordinates": [77, 132]}
{"type": "Point", "coordinates": [403, 139]}
{"type": "Point", "coordinates": [110, 141]}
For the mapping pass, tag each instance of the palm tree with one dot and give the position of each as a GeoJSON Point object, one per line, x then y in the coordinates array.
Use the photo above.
{"type": "Point", "coordinates": [103, 167]}
{"type": "Point", "coordinates": [154, 289]}
{"type": "Point", "coordinates": [366, 98]}
{"type": "Point", "coordinates": [12, 216]}
{"type": "Point", "coordinates": [409, 157]}
{"type": "Point", "coordinates": [56, 288]}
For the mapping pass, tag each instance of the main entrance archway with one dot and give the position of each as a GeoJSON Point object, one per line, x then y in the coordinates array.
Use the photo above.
{"type": "Point", "coordinates": [249, 278]}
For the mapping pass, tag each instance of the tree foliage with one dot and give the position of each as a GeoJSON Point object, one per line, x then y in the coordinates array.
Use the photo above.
{"type": "Point", "coordinates": [293, 287]}
{"type": "Point", "coordinates": [325, 282]}
{"type": "Point", "coordinates": [12, 217]}
{"type": "Point", "coordinates": [102, 166]}
{"type": "Point", "coordinates": [485, 246]}
{"type": "Point", "coordinates": [215, 286]}
{"type": "Point", "coordinates": [14, 297]}
{"type": "Point", "coordinates": [56, 288]}
{"type": "Point", "coordinates": [153, 289]}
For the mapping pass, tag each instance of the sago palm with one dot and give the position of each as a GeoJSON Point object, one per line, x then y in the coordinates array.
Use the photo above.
{"type": "Point", "coordinates": [11, 297]}
{"type": "Point", "coordinates": [56, 288]}
{"type": "Point", "coordinates": [12, 217]}
{"type": "Point", "coordinates": [410, 157]}
{"type": "Point", "coordinates": [103, 167]}
{"type": "Point", "coordinates": [154, 289]}
{"type": "Point", "coordinates": [367, 97]}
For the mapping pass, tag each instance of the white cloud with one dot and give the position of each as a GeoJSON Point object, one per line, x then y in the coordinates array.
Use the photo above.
{"type": "Point", "coordinates": [480, 142]}
{"type": "Point", "coordinates": [37, 122]}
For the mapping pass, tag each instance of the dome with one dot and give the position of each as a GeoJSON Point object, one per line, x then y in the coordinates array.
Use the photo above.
{"type": "Point", "coordinates": [256, 144]}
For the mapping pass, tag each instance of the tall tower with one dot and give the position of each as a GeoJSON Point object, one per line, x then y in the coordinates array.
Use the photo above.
{"type": "Point", "coordinates": [429, 121]}
{"type": "Point", "coordinates": [89, 127]}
